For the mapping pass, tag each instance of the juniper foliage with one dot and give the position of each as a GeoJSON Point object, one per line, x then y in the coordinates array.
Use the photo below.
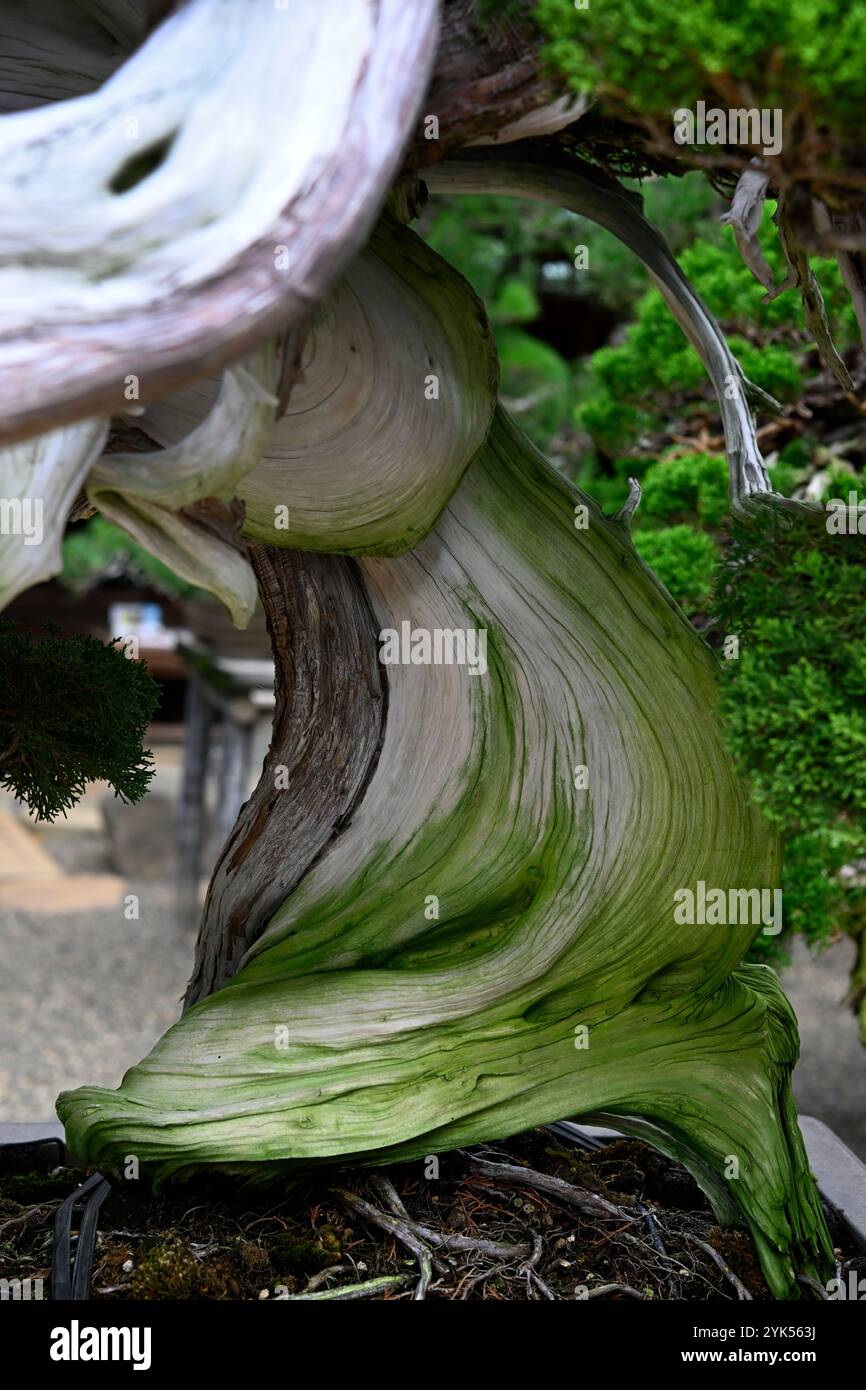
{"type": "Point", "coordinates": [74, 710]}
{"type": "Point", "coordinates": [793, 709]}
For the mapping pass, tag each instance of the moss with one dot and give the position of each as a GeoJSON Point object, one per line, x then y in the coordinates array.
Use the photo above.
{"type": "Point", "coordinates": [27, 1188]}
{"type": "Point", "coordinates": [297, 1255]}
{"type": "Point", "coordinates": [238, 1236]}
{"type": "Point", "coordinates": [384, 1067]}
{"type": "Point", "coordinates": [170, 1270]}
{"type": "Point", "coordinates": [253, 1257]}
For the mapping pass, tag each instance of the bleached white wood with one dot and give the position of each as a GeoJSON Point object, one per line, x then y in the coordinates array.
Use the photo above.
{"type": "Point", "coordinates": [146, 492]}
{"type": "Point", "coordinates": [546, 120]}
{"type": "Point", "coordinates": [278, 132]}
{"type": "Point", "coordinates": [394, 398]}
{"type": "Point", "coordinates": [39, 480]}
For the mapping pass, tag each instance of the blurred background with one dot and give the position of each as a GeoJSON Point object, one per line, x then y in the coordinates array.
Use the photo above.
{"type": "Point", "coordinates": [99, 907]}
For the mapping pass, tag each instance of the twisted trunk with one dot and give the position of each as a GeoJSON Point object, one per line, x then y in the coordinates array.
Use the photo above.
{"type": "Point", "coordinates": [449, 914]}
{"type": "Point", "coordinates": [329, 717]}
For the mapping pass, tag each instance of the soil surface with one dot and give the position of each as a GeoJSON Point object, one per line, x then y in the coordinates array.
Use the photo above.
{"type": "Point", "coordinates": [628, 1223]}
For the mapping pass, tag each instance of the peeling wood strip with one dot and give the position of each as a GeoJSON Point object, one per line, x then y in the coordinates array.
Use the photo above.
{"type": "Point", "coordinates": [744, 218]}
{"type": "Point", "coordinates": [814, 311]}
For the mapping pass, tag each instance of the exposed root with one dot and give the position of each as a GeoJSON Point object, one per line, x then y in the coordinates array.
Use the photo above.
{"type": "Point", "coordinates": [742, 1292]}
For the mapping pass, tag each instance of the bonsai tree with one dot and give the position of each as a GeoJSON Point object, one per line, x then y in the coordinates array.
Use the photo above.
{"type": "Point", "coordinates": [500, 866]}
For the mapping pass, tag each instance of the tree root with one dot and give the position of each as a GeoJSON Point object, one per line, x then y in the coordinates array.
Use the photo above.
{"type": "Point", "coordinates": [586, 1202]}
{"type": "Point", "coordinates": [615, 1288]}
{"type": "Point", "coordinates": [398, 1226]}
{"type": "Point", "coordinates": [369, 1289]}
{"type": "Point", "coordinates": [418, 1238]}
{"type": "Point", "coordinates": [742, 1292]}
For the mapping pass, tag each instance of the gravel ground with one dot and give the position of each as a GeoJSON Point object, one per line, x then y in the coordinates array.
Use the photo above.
{"type": "Point", "coordinates": [830, 1079]}
{"type": "Point", "coordinates": [86, 995]}
{"type": "Point", "coordinates": [84, 853]}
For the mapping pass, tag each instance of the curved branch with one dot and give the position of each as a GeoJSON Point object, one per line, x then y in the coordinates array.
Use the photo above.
{"type": "Point", "coordinates": [382, 420]}
{"type": "Point", "coordinates": [523, 171]}
{"type": "Point", "coordinates": [200, 200]}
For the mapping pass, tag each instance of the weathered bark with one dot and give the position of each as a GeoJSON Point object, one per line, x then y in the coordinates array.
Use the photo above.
{"type": "Point", "coordinates": [487, 84]}
{"type": "Point", "coordinates": [744, 217]}
{"type": "Point", "coordinates": [407, 1031]}
{"type": "Point", "coordinates": [328, 723]}
{"type": "Point", "coordinates": [803, 277]}
{"type": "Point", "coordinates": [401, 945]}
{"type": "Point", "coordinates": [182, 272]}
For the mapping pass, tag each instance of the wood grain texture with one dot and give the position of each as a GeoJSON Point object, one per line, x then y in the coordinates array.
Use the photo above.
{"type": "Point", "coordinates": [54, 50]}
{"type": "Point", "coordinates": [328, 726]}
{"type": "Point", "coordinates": [421, 985]}
{"type": "Point", "coordinates": [285, 132]}
{"type": "Point", "coordinates": [487, 76]}
{"type": "Point", "coordinates": [360, 391]}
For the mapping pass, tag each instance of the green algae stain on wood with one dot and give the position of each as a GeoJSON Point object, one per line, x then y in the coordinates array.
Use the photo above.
{"type": "Point", "coordinates": [406, 1034]}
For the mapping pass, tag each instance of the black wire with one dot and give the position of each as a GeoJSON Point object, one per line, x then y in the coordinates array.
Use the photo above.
{"type": "Point", "coordinates": [68, 1283]}
{"type": "Point", "coordinates": [575, 1135]}
{"type": "Point", "coordinates": [87, 1241]}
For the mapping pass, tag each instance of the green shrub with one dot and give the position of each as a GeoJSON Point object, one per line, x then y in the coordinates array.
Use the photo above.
{"type": "Point", "coordinates": [663, 56]}
{"type": "Point", "coordinates": [75, 710]}
{"type": "Point", "coordinates": [686, 486]}
{"type": "Point", "coordinates": [684, 560]}
{"type": "Point", "coordinates": [794, 708]}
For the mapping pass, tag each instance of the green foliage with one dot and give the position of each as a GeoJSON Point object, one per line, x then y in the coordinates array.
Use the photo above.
{"type": "Point", "coordinates": [510, 251]}
{"type": "Point", "coordinates": [513, 251]}
{"type": "Point", "coordinates": [97, 549]}
{"type": "Point", "coordinates": [536, 382]}
{"type": "Point", "coordinates": [609, 491]}
{"type": "Point", "coordinates": [515, 302]}
{"type": "Point", "coordinates": [632, 389]}
{"type": "Point", "coordinates": [642, 401]}
{"type": "Point", "coordinates": [495, 240]}
{"type": "Point", "coordinates": [74, 711]}
{"type": "Point", "coordinates": [686, 486]}
{"type": "Point", "coordinates": [678, 526]}
{"type": "Point", "coordinates": [793, 703]}
{"type": "Point", "coordinates": [684, 560]}
{"type": "Point", "coordinates": [794, 709]}
{"type": "Point", "coordinates": [782, 52]}
{"type": "Point", "coordinates": [681, 208]}
{"type": "Point", "coordinates": [772, 367]}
